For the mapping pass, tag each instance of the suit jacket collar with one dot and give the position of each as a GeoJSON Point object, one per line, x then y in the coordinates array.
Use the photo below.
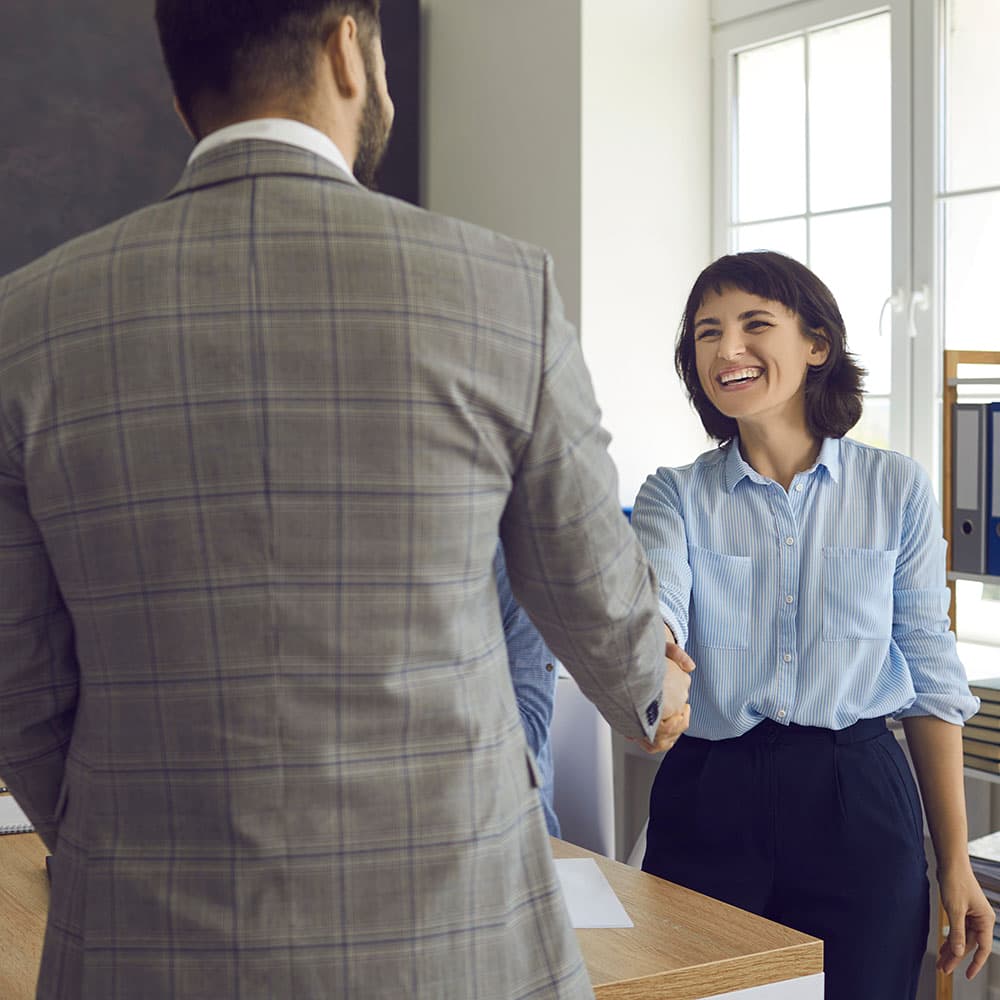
{"type": "Point", "coordinates": [245, 158]}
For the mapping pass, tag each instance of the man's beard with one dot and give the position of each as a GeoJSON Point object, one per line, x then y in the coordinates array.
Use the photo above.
{"type": "Point", "coordinates": [373, 134]}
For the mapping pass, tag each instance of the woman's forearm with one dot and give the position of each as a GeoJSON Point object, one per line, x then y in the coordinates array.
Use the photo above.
{"type": "Point", "coordinates": [936, 749]}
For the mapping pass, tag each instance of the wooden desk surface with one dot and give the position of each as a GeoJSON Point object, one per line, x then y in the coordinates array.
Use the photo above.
{"type": "Point", "coordinates": [24, 902]}
{"type": "Point", "coordinates": [685, 945]}
{"type": "Point", "coordinates": [682, 942]}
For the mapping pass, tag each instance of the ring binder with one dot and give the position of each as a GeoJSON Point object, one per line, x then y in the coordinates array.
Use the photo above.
{"type": "Point", "coordinates": [993, 478]}
{"type": "Point", "coordinates": [969, 512]}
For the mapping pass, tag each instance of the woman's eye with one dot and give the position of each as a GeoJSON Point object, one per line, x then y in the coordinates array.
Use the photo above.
{"type": "Point", "coordinates": [757, 325]}
{"type": "Point", "coordinates": [705, 334]}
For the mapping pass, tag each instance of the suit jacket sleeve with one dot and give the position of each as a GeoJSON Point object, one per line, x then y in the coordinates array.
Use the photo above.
{"type": "Point", "coordinates": [38, 666]}
{"type": "Point", "coordinates": [572, 559]}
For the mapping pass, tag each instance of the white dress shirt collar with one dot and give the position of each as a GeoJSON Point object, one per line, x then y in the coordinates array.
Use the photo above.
{"type": "Point", "coordinates": [284, 130]}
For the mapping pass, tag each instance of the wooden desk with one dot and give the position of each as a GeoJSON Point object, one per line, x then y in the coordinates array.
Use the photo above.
{"type": "Point", "coordinates": [683, 946]}
{"type": "Point", "coordinates": [24, 902]}
{"type": "Point", "coordinates": [686, 946]}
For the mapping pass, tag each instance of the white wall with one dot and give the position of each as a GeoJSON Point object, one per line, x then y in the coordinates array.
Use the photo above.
{"type": "Point", "coordinates": [502, 122]}
{"type": "Point", "coordinates": [585, 128]}
{"type": "Point", "coordinates": [646, 219]}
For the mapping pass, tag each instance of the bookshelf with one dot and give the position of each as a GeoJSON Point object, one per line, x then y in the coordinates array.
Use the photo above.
{"type": "Point", "coordinates": [953, 360]}
{"type": "Point", "coordinates": [953, 381]}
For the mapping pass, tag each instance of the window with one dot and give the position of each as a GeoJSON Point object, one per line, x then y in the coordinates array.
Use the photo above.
{"type": "Point", "coordinates": [968, 193]}
{"type": "Point", "coordinates": [811, 174]}
{"type": "Point", "coordinates": [861, 138]}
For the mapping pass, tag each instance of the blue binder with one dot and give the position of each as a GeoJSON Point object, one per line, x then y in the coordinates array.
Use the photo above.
{"type": "Point", "coordinates": [993, 491]}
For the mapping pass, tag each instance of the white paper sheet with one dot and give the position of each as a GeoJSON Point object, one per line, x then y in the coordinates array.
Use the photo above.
{"type": "Point", "coordinates": [589, 898]}
{"type": "Point", "coordinates": [12, 818]}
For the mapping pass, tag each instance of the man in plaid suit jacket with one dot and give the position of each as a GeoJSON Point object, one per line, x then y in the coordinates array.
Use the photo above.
{"type": "Point", "coordinates": [257, 443]}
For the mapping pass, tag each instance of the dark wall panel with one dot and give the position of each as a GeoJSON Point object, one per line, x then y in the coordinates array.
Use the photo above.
{"type": "Point", "coordinates": [400, 172]}
{"type": "Point", "coordinates": [88, 126]}
{"type": "Point", "coordinates": [87, 118]}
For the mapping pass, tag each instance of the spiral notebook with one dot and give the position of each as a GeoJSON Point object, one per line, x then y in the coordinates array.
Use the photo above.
{"type": "Point", "coordinates": [12, 818]}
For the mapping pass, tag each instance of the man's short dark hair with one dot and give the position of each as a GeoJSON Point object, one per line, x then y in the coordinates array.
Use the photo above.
{"type": "Point", "coordinates": [242, 50]}
{"type": "Point", "coordinates": [834, 389]}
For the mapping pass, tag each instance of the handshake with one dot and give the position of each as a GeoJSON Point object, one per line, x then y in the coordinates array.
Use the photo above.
{"type": "Point", "coordinates": [676, 685]}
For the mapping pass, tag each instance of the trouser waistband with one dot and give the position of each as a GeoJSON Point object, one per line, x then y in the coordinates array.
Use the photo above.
{"type": "Point", "coordinates": [770, 731]}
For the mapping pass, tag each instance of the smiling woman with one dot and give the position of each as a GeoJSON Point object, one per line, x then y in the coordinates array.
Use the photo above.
{"type": "Point", "coordinates": [804, 574]}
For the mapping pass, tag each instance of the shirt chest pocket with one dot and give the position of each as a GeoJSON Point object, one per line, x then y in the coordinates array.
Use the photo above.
{"type": "Point", "coordinates": [857, 594]}
{"type": "Point", "coordinates": [720, 598]}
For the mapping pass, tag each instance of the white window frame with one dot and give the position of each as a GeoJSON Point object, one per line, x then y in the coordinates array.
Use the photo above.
{"type": "Point", "coordinates": [927, 170]}
{"type": "Point", "coordinates": [743, 24]}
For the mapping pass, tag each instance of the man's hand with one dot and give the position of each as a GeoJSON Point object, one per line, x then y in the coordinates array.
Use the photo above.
{"type": "Point", "coordinates": [675, 713]}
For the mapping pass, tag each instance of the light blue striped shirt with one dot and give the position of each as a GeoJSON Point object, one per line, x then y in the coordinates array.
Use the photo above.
{"type": "Point", "coordinates": [534, 674]}
{"type": "Point", "coordinates": [819, 606]}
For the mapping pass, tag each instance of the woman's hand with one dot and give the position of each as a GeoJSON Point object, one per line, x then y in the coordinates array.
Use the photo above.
{"type": "Point", "coordinates": [970, 918]}
{"type": "Point", "coordinates": [676, 684]}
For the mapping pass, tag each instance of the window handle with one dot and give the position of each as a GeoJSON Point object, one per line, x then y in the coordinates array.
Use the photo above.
{"type": "Point", "coordinates": [920, 298]}
{"type": "Point", "coordinates": [896, 301]}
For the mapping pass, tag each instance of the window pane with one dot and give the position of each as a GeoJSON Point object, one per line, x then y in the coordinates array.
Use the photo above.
{"type": "Point", "coordinates": [788, 237]}
{"type": "Point", "coordinates": [980, 606]}
{"type": "Point", "coordinates": [850, 115]}
{"type": "Point", "coordinates": [873, 427]}
{"type": "Point", "coordinates": [771, 137]}
{"type": "Point", "coordinates": [852, 254]}
{"type": "Point", "coordinates": [972, 94]}
{"type": "Point", "coordinates": [971, 238]}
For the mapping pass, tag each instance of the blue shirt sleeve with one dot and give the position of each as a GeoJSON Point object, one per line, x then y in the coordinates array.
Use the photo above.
{"type": "Point", "coordinates": [534, 675]}
{"type": "Point", "coordinates": [920, 625]}
{"type": "Point", "coordinates": [658, 522]}
{"type": "Point", "coordinates": [532, 666]}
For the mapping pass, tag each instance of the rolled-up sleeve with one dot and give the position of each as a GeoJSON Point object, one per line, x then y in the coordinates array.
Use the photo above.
{"type": "Point", "coordinates": [921, 630]}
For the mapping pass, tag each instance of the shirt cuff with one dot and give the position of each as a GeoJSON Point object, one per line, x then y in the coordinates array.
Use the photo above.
{"type": "Point", "coordinates": [943, 707]}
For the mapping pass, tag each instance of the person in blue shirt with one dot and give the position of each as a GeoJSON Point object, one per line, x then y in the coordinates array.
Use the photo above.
{"type": "Point", "coordinates": [533, 671]}
{"type": "Point", "coordinates": [804, 573]}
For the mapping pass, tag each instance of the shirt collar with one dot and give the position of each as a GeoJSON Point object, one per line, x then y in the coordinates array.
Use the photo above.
{"type": "Point", "coordinates": [736, 469]}
{"type": "Point", "coordinates": [285, 130]}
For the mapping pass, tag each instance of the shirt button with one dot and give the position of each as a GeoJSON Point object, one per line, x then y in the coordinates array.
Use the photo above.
{"type": "Point", "coordinates": [789, 599]}
{"type": "Point", "coordinates": [787, 657]}
{"type": "Point", "coordinates": [781, 713]}
{"type": "Point", "coordinates": [549, 667]}
{"type": "Point", "coordinates": [798, 488]}
{"type": "Point", "coordinates": [789, 540]}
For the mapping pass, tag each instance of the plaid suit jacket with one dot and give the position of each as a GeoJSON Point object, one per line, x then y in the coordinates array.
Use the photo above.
{"type": "Point", "coordinates": [257, 442]}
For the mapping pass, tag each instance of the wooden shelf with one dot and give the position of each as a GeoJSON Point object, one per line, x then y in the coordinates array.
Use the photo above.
{"type": "Point", "coordinates": [952, 361]}
{"type": "Point", "coordinates": [975, 772]}
{"type": "Point", "coordinates": [973, 577]}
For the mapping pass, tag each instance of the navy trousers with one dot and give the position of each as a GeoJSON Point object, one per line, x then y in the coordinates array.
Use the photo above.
{"type": "Point", "coordinates": [820, 830]}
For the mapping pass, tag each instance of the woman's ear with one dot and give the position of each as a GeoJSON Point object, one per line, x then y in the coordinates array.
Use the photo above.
{"type": "Point", "coordinates": [819, 347]}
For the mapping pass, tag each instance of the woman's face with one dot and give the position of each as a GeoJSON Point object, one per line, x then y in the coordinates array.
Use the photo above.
{"type": "Point", "coordinates": [752, 357]}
